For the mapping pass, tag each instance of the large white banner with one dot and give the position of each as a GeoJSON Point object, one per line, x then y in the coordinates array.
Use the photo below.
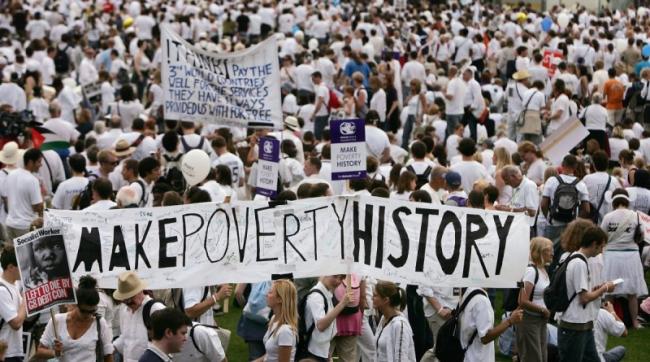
{"type": "Point", "coordinates": [207, 244]}
{"type": "Point", "coordinates": [235, 89]}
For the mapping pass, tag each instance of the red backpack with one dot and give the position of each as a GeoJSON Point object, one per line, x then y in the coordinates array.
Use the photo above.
{"type": "Point", "coordinates": [334, 101]}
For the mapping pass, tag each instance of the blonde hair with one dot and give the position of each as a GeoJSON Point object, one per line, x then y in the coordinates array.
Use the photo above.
{"type": "Point", "coordinates": [537, 246]}
{"type": "Point", "coordinates": [286, 292]}
{"type": "Point", "coordinates": [503, 157]}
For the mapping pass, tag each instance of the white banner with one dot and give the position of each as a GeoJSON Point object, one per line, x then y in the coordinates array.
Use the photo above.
{"type": "Point", "coordinates": [240, 89]}
{"type": "Point", "coordinates": [562, 140]}
{"type": "Point", "coordinates": [207, 244]}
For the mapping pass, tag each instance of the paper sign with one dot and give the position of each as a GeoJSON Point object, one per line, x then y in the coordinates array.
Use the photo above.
{"type": "Point", "coordinates": [348, 149]}
{"type": "Point", "coordinates": [240, 89]}
{"type": "Point", "coordinates": [551, 59]}
{"type": "Point", "coordinates": [563, 140]}
{"type": "Point", "coordinates": [267, 167]}
{"type": "Point", "coordinates": [44, 271]}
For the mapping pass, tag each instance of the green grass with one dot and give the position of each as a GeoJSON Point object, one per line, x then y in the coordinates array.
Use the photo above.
{"type": "Point", "coordinates": [637, 342]}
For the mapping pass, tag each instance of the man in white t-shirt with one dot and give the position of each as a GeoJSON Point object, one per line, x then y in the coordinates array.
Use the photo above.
{"type": "Point", "coordinates": [72, 187]}
{"type": "Point", "coordinates": [149, 172]}
{"type": "Point", "coordinates": [191, 141]}
{"type": "Point", "coordinates": [320, 117]}
{"type": "Point", "coordinates": [202, 345]}
{"type": "Point", "coordinates": [377, 143]}
{"type": "Point", "coordinates": [320, 312]}
{"type": "Point", "coordinates": [477, 329]}
{"type": "Point", "coordinates": [22, 195]}
{"type": "Point", "coordinates": [555, 226]}
{"type": "Point", "coordinates": [470, 169]}
{"type": "Point", "coordinates": [229, 159]}
{"type": "Point", "coordinates": [608, 322]}
{"type": "Point", "coordinates": [525, 196]}
{"type": "Point", "coordinates": [598, 183]}
{"type": "Point", "coordinates": [575, 328]}
{"type": "Point", "coordinates": [12, 307]}
{"type": "Point", "coordinates": [102, 193]}
{"type": "Point", "coordinates": [199, 303]}
{"type": "Point", "coordinates": [454, 100]}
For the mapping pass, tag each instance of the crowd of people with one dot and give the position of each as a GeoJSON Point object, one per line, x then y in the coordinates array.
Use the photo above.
{"type": "Point", "coordinates": [457, 99]}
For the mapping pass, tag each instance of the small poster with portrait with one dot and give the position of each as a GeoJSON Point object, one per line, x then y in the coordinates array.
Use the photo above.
{"type": "Point", "coordinates": [44, 270]}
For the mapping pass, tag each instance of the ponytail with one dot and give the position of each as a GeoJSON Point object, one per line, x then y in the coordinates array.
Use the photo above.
{"type": "Point", "coordinates": [396, 295]}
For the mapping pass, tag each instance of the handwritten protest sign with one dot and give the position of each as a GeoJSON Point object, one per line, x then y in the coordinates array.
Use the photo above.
{"type": "Point", "coordinates": [44, 270]}
{"type": "Point", "coordinates": [207, 244]}
{"type": "Point", "coordinates": [267, 167]}
{"type": "Point", "coordinates": [236, 89]}
{"type": "Point", "coordinates": [562, 140]}
{"type": "Point", "coordinates": [348, 149]}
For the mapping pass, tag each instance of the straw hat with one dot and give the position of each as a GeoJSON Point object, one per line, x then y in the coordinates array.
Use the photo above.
{"type": "Point", "coordinates": [10, 154]}
{"type": "Point", "coordinates": [521, 75]}
{"type": "Point", "coordinates": [128, 285]}
{"type": "Point", "coordinates": [292, 123]}
{"type": "Point", "coordinates": [123, 148]}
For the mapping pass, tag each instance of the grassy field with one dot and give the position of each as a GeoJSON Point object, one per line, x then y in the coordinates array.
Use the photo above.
{"type": "Point", "coordinates": [637, 342]}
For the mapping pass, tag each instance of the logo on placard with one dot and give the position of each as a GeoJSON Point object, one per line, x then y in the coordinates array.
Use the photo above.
{"type": "Point", "coordinates": [347, 128]}
{"type": "Point", "coordinates": [268, 147]}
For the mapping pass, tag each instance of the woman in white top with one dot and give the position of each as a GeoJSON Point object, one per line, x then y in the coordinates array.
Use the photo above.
{"type": "Point", "coordinates": [560, 107]}
{"type": "Point", "coordinates": [280, 338]}
{"type": "Point", "coordinates": [617, 143]}
{"type": "Point", "coordinates": [76, 336]}
{"type": "Point", "coordinates": [378, 100]}
{"type": "Point", "coordinates": [128, 108]}
{"type": "Point", "coordinates": [416, 105]}
{"type": "Point", "coordinates": [394, 337]}
{"type": "Point", "coordinates": [531, 333]}
{"type": "Point", "coordinates": [406, 184]}
{"type": "Point", "coordinates": [621, 255]}
{"type": "Point", "coordinates": [224, 178]}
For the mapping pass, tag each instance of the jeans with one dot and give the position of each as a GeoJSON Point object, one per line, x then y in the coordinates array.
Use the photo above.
{"type": "Point", "coordinates": [406, 132]}
{"type": "Point", "coordinates": [577, 346]}
{"type": "Point", "coordinates": [320, 122]}
{"type": "Point", "coordinates": [452, 121]}
{"type": "Point", "coordinates": [615, 354]}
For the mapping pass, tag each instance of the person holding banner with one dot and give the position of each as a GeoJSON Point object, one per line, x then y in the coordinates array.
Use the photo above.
{"type": "Point", "coordinates": [12, 306]}
{"type": "Point", "coordinates": [80, 334]}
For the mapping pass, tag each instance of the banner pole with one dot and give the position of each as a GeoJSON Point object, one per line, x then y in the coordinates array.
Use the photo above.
{"type": "Point", "coordinates": [56, 330]}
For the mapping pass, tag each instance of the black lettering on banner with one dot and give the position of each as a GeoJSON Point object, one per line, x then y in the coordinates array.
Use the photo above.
{"type": "Point", "coordinates": [379, 258]}
{"type": "Point", "coordinates": [260, 233]}
{"type": "Point", "coordinates": [448, 265]}
{"type": "Point", "coordinates": [139, 249]}
{"type": "Point", "coordinates": [90, 249]}
{"type": "Point", "coordinates": [286, 237]}
{"type": "Point", "coordinates": [242, 247]}
{"type": "Point", "coordinates": [340, 221]}
{"type": "Point", "coordinates": [186, 235]}
{"type": "Point", "coordinates": [470, 242]}
{"type": "Point", "coordinates": [207, 231]}
{"type": "Point", "coordinates": [424, 229]}
{"type": "Point", "coordinates": [313, 211]}
{"type": "Point", "coordinates": [502, 232]}
{"type": "Point", "coordinates": [365, 235]}
{"type": "Point", "coordinates": [165, 261]}
{"type": "Point", "coordinates": [119, 257]}
{"type": "Point", "coordinates": [403, 237]}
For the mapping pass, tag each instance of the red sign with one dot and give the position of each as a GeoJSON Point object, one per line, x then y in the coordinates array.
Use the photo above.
{"type": "Point", "coordinates": [551, 59]}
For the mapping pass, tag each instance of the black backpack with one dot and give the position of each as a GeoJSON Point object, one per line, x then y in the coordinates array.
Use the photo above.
{"type": "Point", "coordinates": [511, 68]}
{"type": "Point", "coordinates": [423, 178]}
{"type": "Point", "coordinates": [448, 346]}
{"type": "Point", "coordinates": [511, 299]}
{"type": "Point", "coordinates": [174, 176]}
{"type": "Point", "coordinates": [85, 197]}
{"type": "Point", "coordinates": [565, 201]}
{"type": "Point", "coordinates": [555, 295]}
{"type": "Point", "coordinates": [62, 60]}
{"type": "Point", "coordinates": [146, 315]}
{"type": "Point", "coordinates": [187, 147]}
{"type": "Point", "coordinates": [304, 333]}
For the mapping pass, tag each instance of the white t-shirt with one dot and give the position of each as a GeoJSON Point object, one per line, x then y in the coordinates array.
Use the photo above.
{"type": "Point", "coordinates": [616, 145]}
{"type": "Point", "coordinates": [207, 339]}
{"type": "Point", "coordinates": [560, 103]}
{"type": "Point", "coordinates": [10, 300]}
{"type": "Point", "coordinates": [67, 191]}
{"type": "Point", "coordinates": [596, 183]}
{"type": "Point", "coordinates": [234, 163]}
{"type": "Point", "coordinates": [478, 316]}
{"type": "Point", "coordinates": [82, 348]}
{"type": "Point", "coordinates": [283, 337]}
{"type": "Point", "coordinates": [526, 195]}
{"type": "Point", "coordinates": [623, 239]}
{"type": "Point", "coordinates": [376, 141]}
{"type": "Point", "coordinates": [552, 184]}
{"type": "Point", "coordinates": [577, 280]}
{"type": "Point", "coordinates": [194, 296]}
{"type": "Point", "coordinates": [595, 117]}
{"type": "Point", "coordinates": [322, 92]}
{"type": "Point", "coordinates": [471, 171]}
{"type": "Point", "coordinates": [133, 341]}
{"type": "Point", "coordinates": [101, 205]}
{"type": "Point", "coordinates": [193, 141]}
{"type": "Point", "coordinates": [606, 324]}
{"type": "Point", "coordinates": [394, 340]}
{"type": "Point", "coordinates": [543, 281]}
{"type": "Point", "coordinates": [536, 171]}
{"type": "Point", "coordinates": [456, 88]}
{"type": "Point", "coordinates": [22, 190]}
{"type": "Point", "coordinates": [319, 344]}
{"type": "Point", "coordinates": [452, 146]}
{"type": "Point", "coordinates": [215, 190]}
